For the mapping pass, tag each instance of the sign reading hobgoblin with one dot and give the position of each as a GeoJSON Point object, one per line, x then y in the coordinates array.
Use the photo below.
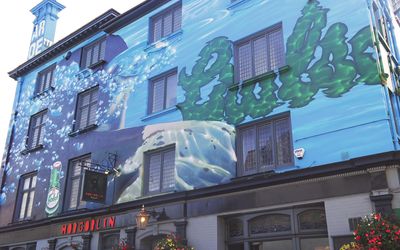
{"type": "Point", "coordinates": [88, 225]}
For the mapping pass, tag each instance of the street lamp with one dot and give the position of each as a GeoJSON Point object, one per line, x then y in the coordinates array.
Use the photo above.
{"type": "Point", "coordinates": [143, 217]}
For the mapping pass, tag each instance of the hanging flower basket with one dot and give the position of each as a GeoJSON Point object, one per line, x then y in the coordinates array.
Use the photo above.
{"type": "Point", "coordinates": [123, 245]}
{"type": "Point", "coordinates": [376, 233]}
{"type": "Point", "coordinates": [171, 242]}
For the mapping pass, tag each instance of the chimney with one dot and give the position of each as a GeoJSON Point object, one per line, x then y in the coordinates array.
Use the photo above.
{"type": "Point", "coordinates": [44, 26]}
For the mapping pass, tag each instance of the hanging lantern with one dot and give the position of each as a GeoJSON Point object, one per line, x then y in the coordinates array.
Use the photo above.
{"type": "Point", "coordinates": [142, 219]}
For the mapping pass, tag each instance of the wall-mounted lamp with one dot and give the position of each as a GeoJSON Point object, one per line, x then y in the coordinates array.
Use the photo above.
{"type": "Point", "coordinates": [143, 217]}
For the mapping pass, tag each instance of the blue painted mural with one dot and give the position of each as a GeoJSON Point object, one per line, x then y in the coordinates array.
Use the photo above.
{"type": "Point", "coordinates": [330, 84]}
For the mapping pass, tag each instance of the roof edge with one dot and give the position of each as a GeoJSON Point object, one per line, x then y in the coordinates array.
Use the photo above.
{"type": "Point", "coordinates": [64, 44]}
{"type": "Point", "coordinates": [133, 14]}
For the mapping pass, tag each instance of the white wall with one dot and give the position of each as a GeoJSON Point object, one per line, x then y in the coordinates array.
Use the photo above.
{"type": "Point", "coordinates": [42, 245]}
{"type": "Point", "coordinates": [339, 210]}
{"type": "Point", "coordinates": [392, 176]}
{"type": "Point", "coordinates": [202, 232]}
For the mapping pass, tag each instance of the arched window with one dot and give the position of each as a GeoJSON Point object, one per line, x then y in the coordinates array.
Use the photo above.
{"type": "Point", "coordinates": [271, 223]}
{"type": "Point", "coordinates": [109, 241]}
{"type": "Point", "coordinates": [235, 228]}
{"type": "Point", "coordinates": [69, 248]}
{"type": "Point", "coordinates": [313, 219]}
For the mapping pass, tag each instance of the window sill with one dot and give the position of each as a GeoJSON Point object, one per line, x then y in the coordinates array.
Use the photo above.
{"type": "Point", "coordinates": [159, 43]}
{"type": "Point", "coordinates": [97, 64]}
{"type": "Point", "coordinates": [30, 150]}
{"type": "Point", "coordinates": [73, 211]}
{"type": "Point", "coordinates": [160, 113]}
{"type": "Point", "coordinates": [258, 78]}
{"type": "Point", "coordinates": [21, 221]}
{"type": "Point", "coordinates": [83, 130]}
{"type": "Point", "coordinates": [158, 193]}
{"type": "Point", "coordinates": [264, 174]}
{"type": "Point", "coordinates": [43, 93]}
{"type": "Point", "coordinates": [85, 72]}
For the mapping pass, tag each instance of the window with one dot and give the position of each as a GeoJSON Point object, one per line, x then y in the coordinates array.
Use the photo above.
{"type": "Point", "coordinates": [270, 223]}
{"type": "Point", "coordinates": [163, 91]}
{"type": "Point", "coordinates": [259, 53]}
{"type": "Point", "coordinates": [235, 228]}
{"type": "Point", "coordinates": [278, 229]}
{"type": "Point", "coordinates": [93, 54]}
{"type": "Point", "coordinates": [29, 246]}
{"type": "Point", "coordinates": [86, 109]}
{"type": "Point", "coordinates": [313, 219]}
{"type": "Point", "coordinates": [26, 196]}
{"type": "Point", "coordinates": [45, 80]}
{"type": "Point", "coordinates": [160, 170]}
{"type": "Point", "coordinates": [36, 130]}
{"type": "Point", "coordinates": [165, 23]}
{"type": "Point", "coordinates": [109, 241]}
{"type": "Point", "coordinates": [265, 145]}
{"type": "Point", "coordinates": [75, 179]}
{"type": "Point", "coordinates": [353, 223]}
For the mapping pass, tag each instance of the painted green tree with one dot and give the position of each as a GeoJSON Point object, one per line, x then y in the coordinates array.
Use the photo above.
{"type": "Point", "coordinates": [213, 65]}
{"type": "Point", "coordinates": [333, 72]}
{"type": "Point", "coordinates": [316, 62]}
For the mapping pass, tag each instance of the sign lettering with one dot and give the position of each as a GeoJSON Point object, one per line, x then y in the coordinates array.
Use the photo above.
{"type": "Point", "coordinates": [38, 41]}
{"type": "Point", "coordinates": [88, 225]}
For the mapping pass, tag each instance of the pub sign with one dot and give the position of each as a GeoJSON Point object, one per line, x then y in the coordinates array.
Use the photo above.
{"type": "Point", "coordinates": [94, 187]}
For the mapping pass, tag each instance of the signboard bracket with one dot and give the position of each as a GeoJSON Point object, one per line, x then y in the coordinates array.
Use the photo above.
{"type": "Point", "coordinates": [107, 165]}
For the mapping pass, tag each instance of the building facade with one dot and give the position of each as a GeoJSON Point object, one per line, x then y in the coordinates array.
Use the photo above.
{"type": "Point", "coordinates": [245, 124]}
{"type": "Point", "coordinates": [396, 7]}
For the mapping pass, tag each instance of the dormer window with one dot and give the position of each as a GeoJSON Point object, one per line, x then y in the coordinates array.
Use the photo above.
{"type": "Point", "coordinates": [45, 80]}
{"type": "Point", "coordinates": [93, 54]}
{"type": "Point", "coordinates": [166, 22]}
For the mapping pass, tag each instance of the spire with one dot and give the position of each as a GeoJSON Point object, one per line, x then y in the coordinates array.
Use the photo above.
{"type": "Point", "coordinates": [44, 26]}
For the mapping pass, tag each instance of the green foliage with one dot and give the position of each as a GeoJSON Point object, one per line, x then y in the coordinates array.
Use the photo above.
{"type": "Point", "coordinates": [335, 72]}
{"type": "Point", "coordinates": [364, 61]}
{"type": "Point", "coordinates": [251, 103]}
{"type": "Point", "coordinates": [202, 74]}
{"type": "Point", "coordinates": [300, 49]}
{"type": "Point", "coordinates": [171, 242]}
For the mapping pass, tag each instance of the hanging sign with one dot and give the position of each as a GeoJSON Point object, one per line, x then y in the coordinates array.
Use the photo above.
{"type": "Point", "coordinates": [94, 187]}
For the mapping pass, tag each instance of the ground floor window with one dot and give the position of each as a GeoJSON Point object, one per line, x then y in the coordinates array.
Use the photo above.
{"type": "Point", "coordinates": [110, 241]}
{"type": "Point", "coordinates": [298, 228]}
{"type": "Point", "coordinates": [29, 246]}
